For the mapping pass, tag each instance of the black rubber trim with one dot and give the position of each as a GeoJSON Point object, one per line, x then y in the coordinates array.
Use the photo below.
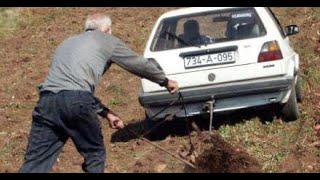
{"type": "Point", "coordinates": [209, 51]}
{"type": "Point", "coordinates": [219, 91]}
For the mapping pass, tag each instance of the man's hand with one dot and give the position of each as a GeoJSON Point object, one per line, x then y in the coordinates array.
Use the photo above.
{"type": "Point", "coordinates": [172, 86]}
{"type": "Point", "coordinates": [114, 121]}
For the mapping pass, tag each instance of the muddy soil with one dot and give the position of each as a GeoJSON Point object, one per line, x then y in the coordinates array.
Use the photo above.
{"type": "Point", "coordinates": [217, 155]}
{"type": "Point", "coordinates": [25, 61]}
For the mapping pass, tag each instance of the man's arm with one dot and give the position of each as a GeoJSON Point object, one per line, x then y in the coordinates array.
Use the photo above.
{"type": "Point", "coordinates": [114, 120]}
{"type": "Point", "coordinates": [129, 60]}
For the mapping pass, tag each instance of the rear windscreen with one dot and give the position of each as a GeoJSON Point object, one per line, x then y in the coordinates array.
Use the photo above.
{"type": "Point", "coordinates": [207, 28]}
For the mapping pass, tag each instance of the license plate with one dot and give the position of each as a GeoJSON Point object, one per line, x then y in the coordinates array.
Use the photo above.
{"type": "Point", "coordinates": [209, 59]}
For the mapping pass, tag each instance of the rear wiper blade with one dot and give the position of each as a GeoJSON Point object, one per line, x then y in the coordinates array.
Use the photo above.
{"type": "Point", "coordinates": [180, 39]}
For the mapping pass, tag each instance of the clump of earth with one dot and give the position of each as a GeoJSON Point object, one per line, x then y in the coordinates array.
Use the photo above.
{"type": "Point", "coordinates": [218, 156]}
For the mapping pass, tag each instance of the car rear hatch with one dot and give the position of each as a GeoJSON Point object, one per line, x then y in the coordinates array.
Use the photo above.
{"type": "Point", "coordinates": [216, 56]}
{"type": "Point", "coordinates": [229, 40]}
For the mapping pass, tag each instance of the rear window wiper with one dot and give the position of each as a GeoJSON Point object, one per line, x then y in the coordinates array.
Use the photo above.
{"type": "Point", "coordinates": [180, 39]}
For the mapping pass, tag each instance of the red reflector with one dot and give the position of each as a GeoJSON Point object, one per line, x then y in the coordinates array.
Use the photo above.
{"type": "Point", "coordinates": [270, 56]}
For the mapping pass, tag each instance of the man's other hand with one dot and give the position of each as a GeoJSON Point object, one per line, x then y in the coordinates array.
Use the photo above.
{"type": "Point", "coordinates": [172, 86]}
{"type": "Point", "coordinates": [114, 121]}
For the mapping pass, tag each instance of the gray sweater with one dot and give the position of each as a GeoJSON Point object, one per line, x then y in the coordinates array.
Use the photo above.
{"type": "Point", "coordinates": [81, 60]}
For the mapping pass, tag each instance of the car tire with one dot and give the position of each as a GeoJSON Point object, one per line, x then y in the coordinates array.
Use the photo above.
{"type": "Point", "coordinates": [290, 110]}
{"type": "Point", "coordinates": [299, 90]}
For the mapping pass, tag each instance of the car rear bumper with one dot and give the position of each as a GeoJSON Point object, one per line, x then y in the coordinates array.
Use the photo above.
{"type": "Point", "coordinates": [244, 94]}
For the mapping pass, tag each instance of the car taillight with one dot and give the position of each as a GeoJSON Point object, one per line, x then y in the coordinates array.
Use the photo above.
{"type": "Point", "coordinates": [270, 51]}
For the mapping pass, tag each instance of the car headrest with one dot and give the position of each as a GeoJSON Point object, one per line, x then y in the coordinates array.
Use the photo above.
{"type": "Point", "coordinates": [240, 24]}
{"type": "Point", "coordinates": [242, 17]}
{"type": "Point", "coordinates": [191, 28]}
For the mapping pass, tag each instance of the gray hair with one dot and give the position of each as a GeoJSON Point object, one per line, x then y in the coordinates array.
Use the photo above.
{"type": "Point", "coordinates": [95, 21]}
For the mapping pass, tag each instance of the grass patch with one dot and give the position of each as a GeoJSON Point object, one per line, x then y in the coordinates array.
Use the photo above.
{"type": "Point", "coordinates": [116, 102]}
{"type": "Point", "coordinates": [8, 21]}
{"type": "Point", "coordinates": [316, 13]}
{"type": "Point", "coordinates": [314, 74]}
{"type": "Point", "coordinates": [116, 90]}
{"type": "Point", "coordinates": [7, 150]}
{"type": "Point", "coordinates": [267, 141]}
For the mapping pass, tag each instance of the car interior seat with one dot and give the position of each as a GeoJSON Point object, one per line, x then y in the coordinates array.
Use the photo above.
{"type": "Point", "coordinates": [191, 31]}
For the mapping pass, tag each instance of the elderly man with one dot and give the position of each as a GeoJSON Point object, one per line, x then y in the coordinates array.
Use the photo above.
{"type": "Point", "coordinates": [67, 107]}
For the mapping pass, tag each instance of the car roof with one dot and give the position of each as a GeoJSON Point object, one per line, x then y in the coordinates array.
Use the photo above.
{"type": "Point", "coordinates": [191, 10]}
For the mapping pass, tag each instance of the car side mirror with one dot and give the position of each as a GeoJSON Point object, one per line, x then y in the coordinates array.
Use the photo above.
{"type": "Point", "coordinates": [291, 30]}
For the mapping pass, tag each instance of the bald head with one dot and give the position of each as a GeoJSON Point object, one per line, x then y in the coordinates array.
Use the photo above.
{"type": "Point", "coordinates": [98, 22]}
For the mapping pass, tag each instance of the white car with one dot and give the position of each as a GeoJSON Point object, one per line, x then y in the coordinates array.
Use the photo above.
{"type": "Point", "coordinates": [240, 57]}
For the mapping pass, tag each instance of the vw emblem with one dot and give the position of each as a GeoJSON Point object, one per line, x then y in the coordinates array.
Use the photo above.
{"type": "Point", "coordinates": [211, 77]}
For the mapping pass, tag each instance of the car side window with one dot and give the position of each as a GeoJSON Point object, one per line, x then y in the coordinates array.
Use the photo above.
{"type": "Point", "coordinates": [277, 22]}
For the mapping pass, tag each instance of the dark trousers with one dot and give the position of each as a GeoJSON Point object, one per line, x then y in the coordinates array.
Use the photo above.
{"type": "Point", "coordinates": [58, 117]}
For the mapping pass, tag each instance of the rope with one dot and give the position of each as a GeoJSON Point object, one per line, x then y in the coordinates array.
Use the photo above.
{"type": "Point", "coordinates": [161, 148]}
{"type": "Point", "coordinates": [141, 136]}
{"type": "Point", "coordinates": [187, 122]}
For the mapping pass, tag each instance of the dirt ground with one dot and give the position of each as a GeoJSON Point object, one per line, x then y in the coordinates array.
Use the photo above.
{"type": "Point", "coordinates": [253, 140]}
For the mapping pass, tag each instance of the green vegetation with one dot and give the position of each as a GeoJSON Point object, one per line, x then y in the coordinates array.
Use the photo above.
{"type": "Point", "coordinates": [8, 21]}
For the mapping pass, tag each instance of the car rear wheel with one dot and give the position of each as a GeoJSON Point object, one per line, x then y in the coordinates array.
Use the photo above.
{"type": "Point", "coordinates": [290, 110]}
{"type": "Point", "coordinates": [299, 90]}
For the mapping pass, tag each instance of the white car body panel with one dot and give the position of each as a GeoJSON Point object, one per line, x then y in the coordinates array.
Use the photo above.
{"type": "Point", "coordinates": [245, 68]}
